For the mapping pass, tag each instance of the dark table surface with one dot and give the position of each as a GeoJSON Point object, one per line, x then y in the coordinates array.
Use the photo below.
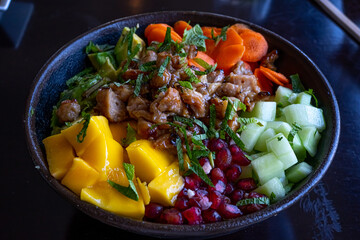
{"type": "Point", "coordinates": [30, 209]}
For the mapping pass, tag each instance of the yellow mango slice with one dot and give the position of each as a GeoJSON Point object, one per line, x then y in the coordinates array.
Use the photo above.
{"type": "Point", "coordinates": [165, 187]}
{"type": "Point", "coordinates": [59, 154]}
{"type": "Point", "coordinates": [80, 175]}
{"type": "Point", "coordinates": [97, 127]}
{"type": "Point", "coordinates": [109, 199]}
{"type": "Point", "coordinates": [103, 154]}
{"type": "Point", "coordinates": [148, 161]}
{"type": "Point", "coordinates": [118, 130]}
{"type": "Point", "coordinates": [144, 191]}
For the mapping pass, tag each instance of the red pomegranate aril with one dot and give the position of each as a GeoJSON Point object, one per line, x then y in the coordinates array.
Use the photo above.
{"type": "Point", "coordinates": [193, 215]}
{"type": "Point", "coordinates": [237, 195]}
{"type": "Point", "coordinates": [223, 159]}
{"type": "Point", "coordinates": [183, 193]}
{"type": "Point", "coordinates": [226, 199]}
{"type": "Point", "coordinates": [229, 188]}
{"type": "Point", "coordinates": [219, 186]}
{"type": "Point", "coordinates": [238, 156]}
{"type": "Point", "coordinates": [171, 216]}
{"type": "Point", "coordinates": [233, 173]}
{"type": "Point", "coordinates": [217, 174]}
{"type": "Point", "coordinates": [153, 210]}
{"type": "Point", "coordinates": [205, 163]}
{"type": "Point", "coordinates": [192, 182]}
{"type": "Point", "coordinates": [216, 144]}
{"type": "Point", "coordinates": [246, 184]}
{"type": "Point", "coordinates": [250, 208]}
{"type": "Point", "coordinates": [229, 211]}
{"type": "Point", "coordinates": [200, 199]}
{"type": "Point", "coordinates": [211, 215]}
{"type": "Point", "coordinates": [181, 203]}
{"type": "Point", "coordinates": [215, 198]}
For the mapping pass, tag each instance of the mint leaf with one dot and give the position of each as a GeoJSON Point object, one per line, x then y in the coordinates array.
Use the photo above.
{"type": "Point", "coordinates": [148, 66]}
{"type": "Point", "coordinates": [248, 201]}
{"type": "Point", "coordinates": [297, 86]}
{"type": "Point", "coordinates": [196, 168]}
{"type": "Point", "coordinates": [163, 66]}
{"type": "Point", "coordinates": [311, 92]}
{"type": "Point", "coordinates": [130, 136]}
{"type": "Point", "coordinates": [234, 137]}
{"type": "Point", "coordinates": [180, 153]}
{"type": "Point", "coordinates": [166, 44]}
{"type": "Point", "coordinates": [186, 84]}
{"type": "Point", "coordinates": [139, 81]}
{"type": "Point", "coordinates": [195, 36]}
{"type": "Point", "coordinates": [191, 75]}
{"type": "Point", "coordinates": [295, 129]}
{"type": "Point", "coordinates": [187, 121]}
{"type": "Point", "coordinates": [82, 134]}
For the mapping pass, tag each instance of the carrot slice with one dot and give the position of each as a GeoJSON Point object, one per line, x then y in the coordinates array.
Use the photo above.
{"type": "Point", "coordinates": [255, 44]}
{"type": "Point", "coordinates": [203, 56]}
{"type": "Point", "coordinates": [192, 62]}
{"type": "Point", "coordinates": [210, 44]}
{"type": "Point", "coordinates": [155, 25]}
{"type": "Point", "coordinates": [273, 76]}
{"type": "Point", "coordinates": [180, 27]}
{"type": "Point", "coordinates": [158, 34]}
{"type": "Point", "coordinates": [228, 56]}
{"type": "Point", "coordinates": [264, 83]}
{"type": "Point", "coordinates": [232, 38]}
{"type": "Point", "coordinates": [239, 27]}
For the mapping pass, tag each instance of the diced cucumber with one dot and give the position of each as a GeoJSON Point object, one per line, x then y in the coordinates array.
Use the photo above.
{"type": "Point", "coordinates": [284, 128]}
{"type": "Point", "coordinates": [310, 138]}
{"type": "Point", "coordinates": [257, 155]}
{"type": "Point", "coordinates": [303, 98]}
{"type": "Point", "coordinates": [273, 124]}
{"type": "Point", "coordinates": [272, 188]}
{"type": "Point", "coordinates": [292, 98]}
{"type": "Point", "coordinates": [246, 171]}
{"type": "Point", "coordinates": [288, 187]}
{"type": "Point", "coordinates": [262, 110]}
{"type": "Point", "coordinates": [305, 115]}
{"type": "Point", "coordinates": [279, 145]}
{"type": "Point", "coordinates": [283, 180]}
{"type": "Point", "coordinates": [298, 172]}
{"type": "Point", "coordinates": [251, 134]}
{"type": "Point", "coordinates": [299, 148]}
{"type": "Point", "coordinates": [288, 159]}
{"type": "Point", "coordinates": [261, 142]}
{"type": "Point", "coordinates": [282, 95]}
{"type": "Point", "coordinates": [267, 167]}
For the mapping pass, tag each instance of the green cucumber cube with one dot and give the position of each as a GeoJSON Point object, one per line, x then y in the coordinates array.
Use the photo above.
{"type": "Point", "coordinates": [282, 95]}
{"type": "Point", "coordinates": [267, 167]}
{"type": "Point", "coordinates": [310, 138]}
{"type": "Point", "coordinates": [288, 187]}
{"type": "Point", "coordinates": [288, 159]}
{"type": "Point", "coordinates": [246, 171]}
{"type": "Point", "coordinates": [251, 134]}
{"type": "Point", "coordinates": [298, 172]}
{"type": "Point", "coordinates": [274, 124]}
{"type": "Point", "coordinates": [262, 110]}
{"type": "Point", "coordinates": [299, 148]}
{"type": "Point", "coordinates": [279, 145]}
{"type": "Point", "coordinates": [257, 155]}
{"type": "Point", "coordinates": [261, 143]}
{"type": "Point", "coordinates": [272, 188]}
{"type": "Point", "coordinates": [305, 115]}
{"type": "Point", "coordinates": [292, 98]}
{"type": "Point", "coordinates": [303, 98]}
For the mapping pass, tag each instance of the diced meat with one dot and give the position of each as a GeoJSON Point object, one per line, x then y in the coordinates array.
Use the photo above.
{"type": "Point", "coordinates": [138, 107]}
{"type": "Point", "coordinates": [228, 89]}
{"type": "Point", "coordinates": [171, 102]}
{"type": "Point", "coordinates": [149, 56]}
{"type": "Point", "coordinates": [178, 62]}
{"type": "Point", "coordinates": [195, 100]}
{"type": "Point", "coordinates": [158, 81]}
{"type": "Point", "coordinates": [144, 129]}
{"type": "Point", "coordinates": [109, 105]}
{"type": "Point", "coordinates": [191, 51]}
{"type": "Point", "coordinates": [212, 87]}
{"type": "Point", "coordinates": [131, 74]}
{"type": "Point", "coordinates": [68, 111]}
{"type": "Point", "coordinates": [165, 142]}
{"type": "Point", "coordinates": [216, 76]}
{"type": "Point", "coordinates": [240, 68]}
{"type": "Point", "coordinates": [123, 91]}
{"type": "Point", "coordinates": [269, 60]}
{"type": "Point", "coordinates": [220, 107]}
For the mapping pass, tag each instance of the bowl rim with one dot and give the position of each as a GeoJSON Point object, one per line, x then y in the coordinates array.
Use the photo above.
{"type": "Point", "coordinates": [167, 230]}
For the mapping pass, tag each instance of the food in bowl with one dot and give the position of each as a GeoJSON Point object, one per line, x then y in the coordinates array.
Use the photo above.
{"type": "Point", "coordinates": [196, 126]}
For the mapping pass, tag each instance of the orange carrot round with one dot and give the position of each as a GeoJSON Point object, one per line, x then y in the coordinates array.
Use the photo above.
{"type": "Point", "coordinates": [180, 27]}
{"type": "Point", "coordinates": [239, 27]}
{"type": "Point", "coordinates": [158, 34]}
{"type": "Point", "coordinates": [228, 56]}
{"type": "Point", "coordinates": [255, 44]}
{"type": "Point", "coordinates": [203, 56]}
{"type": "Point", "coordinates": [273, 76]}
{"type": "Point", "coordinates": [192, 62]}
{"type": "Point", "coordinates": [155, 25]}
{"type": "Point", "coordinates": [264, 83]}
{"type": "Point", "coordinates": [210, 44]}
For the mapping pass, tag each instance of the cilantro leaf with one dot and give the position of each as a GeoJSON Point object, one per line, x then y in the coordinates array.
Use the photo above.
{"type": "Point", "coordinates": [195, 36]}
{"type": "Point", "coordinates": [130, 136]}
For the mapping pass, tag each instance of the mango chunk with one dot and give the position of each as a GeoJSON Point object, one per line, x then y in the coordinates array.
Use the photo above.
{"type": "Point", "coordinates": [118, 130]}
{"type": "Point", "coordinates": [165, 187]}
{"type": "Point", "coordinates": [103, 154]}
{"type": "Point", "coordinates": [148, 161]}
{"type": "Point", "coordinates": [59, 154]}
{"type": "Point", "coordinates": [144, 191]}
{"type": "Point", "coordinates": [80, 175]}
{"type": "Point", "coordinates": [104, 196]}
{"type": "Point", "coordinates": [98, 126]}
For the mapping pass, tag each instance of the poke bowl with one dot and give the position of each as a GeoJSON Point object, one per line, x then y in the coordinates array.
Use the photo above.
{"type": "Point", "coordinates": [74, 57]}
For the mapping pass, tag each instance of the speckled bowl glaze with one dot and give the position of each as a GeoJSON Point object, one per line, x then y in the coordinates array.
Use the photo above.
{"type": "Point", "coordinates": [71, 59]}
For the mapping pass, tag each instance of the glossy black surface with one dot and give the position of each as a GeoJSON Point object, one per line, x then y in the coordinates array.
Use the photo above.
{"type": "Point", "coordinates": [31, 210]}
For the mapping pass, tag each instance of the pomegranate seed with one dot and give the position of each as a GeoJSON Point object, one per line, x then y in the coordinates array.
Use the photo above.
{"type": "Point", "coordinates": [205, 163]}
{"type": "Point", "coordinates": [181, 203]}
{"type": "Point", "coordinates": [171, 216]}
{"type": "Point", "coordinates": [192, 182]}
{"type": "Point", "coordinates": [215, 198]}
{"type": "Point", "coordinates": [226, 199]}
{"type": "Point", "coordinates": [237, 195]}
{"type": "Point", "coordinates": [238, 156]}
{"type": "Point", "coordinates": [153, 210]}
{"type": "Point", "coordinates": [216, 145]}
{"type": "Point", "coordinates": [193, 215]}
{"type": "Point", "coordinates": [223, 159]}
{"type": "Point", "coordinates": [219, 186]}
{"type": "Point", "coordinates": [217, 174]}
{"type": "Point", "coordinates": [233, 173]}
{"type": "Point", "coordinates": [183, 193]}
{"type": "Point", "coordinates": [229, 211]}
{"type": "Point", "coordinates": [250, 208]}
{"type": "Point", "coordinates": [229, 188]}
{"type": "Point", "coordinates": [201, 200]}
{"type": "Point", "coordinates": [247, 184]}
{"type": "Point", "coordinates": [211, 215]}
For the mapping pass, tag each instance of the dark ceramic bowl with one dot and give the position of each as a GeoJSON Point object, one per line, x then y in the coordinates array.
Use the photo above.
{"type": "Point", "coordinates": [70, 60]}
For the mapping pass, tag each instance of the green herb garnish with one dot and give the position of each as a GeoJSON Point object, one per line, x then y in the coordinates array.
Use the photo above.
{"type": "Point", "coordinates": [272, 197]}
{"type": "Point", "coordinates": [234, 137]}
{"type": "Point", "coordinates": [129, 191]}
{"type": "Point", "coordinates": [311, 92]}
{"type": "Point", "coordinates": [163, 66]}
{"type": "Point", "coordinates": [95, 48]}
{"type": "Point", "coordinates": [297, 86]}
{"type": "Point", "coordinates": [195, 36]}
{"type": "Point", "coordinates": [186, 84]}
{"type": "Point", "coordinates": [180, 153]}
{"type": "Point", "coordinates": [139, 81]}
{"type": "Point", "coordinates": [166, 44]}
{"type": "Point", "coordinates": [191, 75]}
{"type": "Point", "coordinates": [82, 134]}
{"type": "Point", "coordinates": [222, 35]}
{"type": "Point", "coordinates": [130, 136]}
{"type": "Point", "coordinates": [295, 129]}
{"type": "Point", "coordinates": [187, 121]}
{"type": "Point", "coordinates": [212, 133]}
{"type": "Point", "coordinates": [248, 201]}
{"type": "Point", "coordinates": [148, 67]}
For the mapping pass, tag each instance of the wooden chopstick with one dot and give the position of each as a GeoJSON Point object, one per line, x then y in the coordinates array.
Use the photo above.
{"type": "Point", "coordinates": [344, 22]}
